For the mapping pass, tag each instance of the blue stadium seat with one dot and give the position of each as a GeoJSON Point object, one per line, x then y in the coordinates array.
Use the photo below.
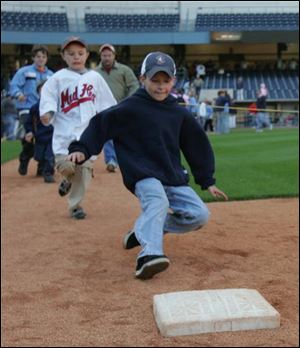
{"type": "Point", "coordinates": [247, 22]}
{"type": "Point", "coordinates": [281, 85]}
{"type": "Point", "coordinates": [34, 21]}
{"type": "Point", "coordinates": [115, 23]}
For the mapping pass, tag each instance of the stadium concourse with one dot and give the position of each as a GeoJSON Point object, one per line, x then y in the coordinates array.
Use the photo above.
{"type": "Point", "coordinates": [71, 284]}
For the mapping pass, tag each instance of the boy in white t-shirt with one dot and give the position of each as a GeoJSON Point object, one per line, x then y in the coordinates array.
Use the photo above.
{"type": "Point", "coordinates": [69, 99]}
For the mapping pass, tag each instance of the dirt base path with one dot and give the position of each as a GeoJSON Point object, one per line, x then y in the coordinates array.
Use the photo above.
{"type": "Point", "coordinates": [71, 284]}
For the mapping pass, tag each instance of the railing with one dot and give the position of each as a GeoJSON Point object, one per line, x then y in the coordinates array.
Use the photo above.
{"type": "Point", "coordinates": [138, 10]}
{"type": "Point", "coordinates": [245, 118]}
{"type": "Point", "coordinates": [32, 8]}
{"type": "Point", "coordinates": [264, 7]}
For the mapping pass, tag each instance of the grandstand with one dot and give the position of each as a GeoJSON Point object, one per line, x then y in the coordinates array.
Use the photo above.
{"type": "Point", "coordinates": [258, 32]}
{"type": "Point", "coordinates": [34, 21]}
{"type": "Point", "coordinates": [282, 86]}
{"type": "Point", "coordinates": [127, 22]}
{"type": "Point", "coordinates": [247, 21]}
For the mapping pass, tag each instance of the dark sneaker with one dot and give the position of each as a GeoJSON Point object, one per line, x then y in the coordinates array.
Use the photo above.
{"type": "Point", "coordinates": [23, 166]}
{"type": "Point", "coordinates": [130, 241]}
{"type": "Point", "coordinates": [111, 168]}
{"type": "Point", "coordinates": [49, 178]}
{"type": "Point", "coordinates": [78, 213]}
{"type": "Point", "coordinates": [64, 187]}
{"type": "Point", "coordinates": [147, 266]}
{"type": "Point", "coordinates": [40, 169]}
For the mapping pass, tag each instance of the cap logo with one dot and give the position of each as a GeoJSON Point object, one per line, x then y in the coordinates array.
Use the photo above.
{"type": "Point", "coordinates": [160, 60]}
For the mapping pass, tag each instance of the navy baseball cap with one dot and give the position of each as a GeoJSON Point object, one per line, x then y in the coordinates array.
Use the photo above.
{"type": "Point", "coordinates": [71, 39]}
{"type": "Point", "coordinates": [158, 61]}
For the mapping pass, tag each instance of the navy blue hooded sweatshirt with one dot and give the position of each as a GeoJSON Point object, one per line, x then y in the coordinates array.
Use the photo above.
{"type": "Point", "coordinates": [148, 136]}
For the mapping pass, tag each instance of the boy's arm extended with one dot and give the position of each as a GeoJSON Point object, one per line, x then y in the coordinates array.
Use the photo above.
{"type": "Point", "coordinates": [198, 152]}
{"type": "Point", "coordinates": [93, 138]}
{"type": "Point", "coordinates": [217, 193]}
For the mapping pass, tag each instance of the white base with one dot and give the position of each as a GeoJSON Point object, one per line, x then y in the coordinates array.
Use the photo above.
{"type": "Point", "coordinates": [196, 312]}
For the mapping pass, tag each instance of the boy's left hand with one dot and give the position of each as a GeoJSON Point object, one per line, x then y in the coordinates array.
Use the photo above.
{"type": "Point", "coordinates": [76, 157]}
{"type": "Point", "coordinates": [215, 192]}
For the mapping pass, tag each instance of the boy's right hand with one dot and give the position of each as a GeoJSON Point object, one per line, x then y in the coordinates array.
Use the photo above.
{"type": "Point", "coordinates": [76, 157]}
{"type": "Point", "coordinates": [29, 137]}
{"type": "Point", "coordinates": [21, 98]}
{"type": "Point", "coordinates": [46, 118]}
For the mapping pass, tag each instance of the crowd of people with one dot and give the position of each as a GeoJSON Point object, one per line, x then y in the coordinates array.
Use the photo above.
{"type": "Point", "coordinates": [123, 82]}
{"type": "Point", "coordinates": [213, 115]}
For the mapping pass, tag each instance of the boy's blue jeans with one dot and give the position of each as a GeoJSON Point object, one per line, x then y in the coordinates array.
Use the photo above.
{"type": "Point", "coordinates": [188, 213]}
{"type": "Point", "coordinates": [109, 153]}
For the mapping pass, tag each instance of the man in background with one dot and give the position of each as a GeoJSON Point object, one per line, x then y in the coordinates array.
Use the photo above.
{"type": "Point", "coordinates": [122, 82]}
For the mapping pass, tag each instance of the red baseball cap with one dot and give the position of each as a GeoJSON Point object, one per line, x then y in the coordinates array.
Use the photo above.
{"type": "Point", "coordinates": [72, 39]}
{"type": "Point", "coordinates": [107, 46]}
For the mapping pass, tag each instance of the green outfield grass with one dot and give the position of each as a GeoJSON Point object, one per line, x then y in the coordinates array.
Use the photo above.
{"type": "Point", "coordinates": [10, 150]}
{"type": "Point", "coordinates": [252, 165]}
{"type": "Point", "coordinates": [249, 165]}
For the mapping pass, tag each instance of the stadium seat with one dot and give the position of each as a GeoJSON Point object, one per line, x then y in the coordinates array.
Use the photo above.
{"type": "Point", "coordinates": [34, 21]}
{"type": "Point", "coordinates": [247, 21]}
{"type": "Point", "coordinates": [281, 85]}
{"type": "Point", "coordinates": [128, 23]}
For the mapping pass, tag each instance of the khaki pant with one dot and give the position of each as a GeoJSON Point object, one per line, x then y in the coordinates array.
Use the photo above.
{"type": "Point", "coordinates": [79, 175]}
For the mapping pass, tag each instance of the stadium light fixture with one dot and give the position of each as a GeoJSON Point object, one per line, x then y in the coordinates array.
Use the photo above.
{"type": "Point", "coordinates": [226, 36]}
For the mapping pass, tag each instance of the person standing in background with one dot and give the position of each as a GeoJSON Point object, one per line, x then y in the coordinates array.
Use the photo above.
{"type": "Point", "coordinates": [8, 116]}
{"type": "Point", "coordinates": [23, 89]}
{"type": "Point", "coordinates": [262, 117]}
{"type": "Point", "coordinates": [240, 88]}
{"type": "Point", "coordinates": [123, 83]}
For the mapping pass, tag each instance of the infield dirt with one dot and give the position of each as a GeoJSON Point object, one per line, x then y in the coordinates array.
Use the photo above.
{"type": "Point", "coordinates": [71, 284]}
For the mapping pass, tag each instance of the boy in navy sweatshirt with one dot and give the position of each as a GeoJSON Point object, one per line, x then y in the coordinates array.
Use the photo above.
{"type": "Point", "coordinates": [149, 130]}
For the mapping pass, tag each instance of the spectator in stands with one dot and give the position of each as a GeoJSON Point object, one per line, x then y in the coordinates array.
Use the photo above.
{"type": "Point", "coordinates": [182, 75]}
{"type": "Point", "coordinates": [181, 98]}
{"type": "Point", "coordinates": [200, 70]}
{"type": "Point", "coordinates": [221, 71]}
{"type": "Point", "coordinates": [23, 88]}
{"type": "Point", "coordinates": [251, 119]}
{"type": "Point", "coordinates": [244, 65]}
{"type": "Point", "coordinates": [293, 65]}
{"type": "Point", "coordinates": [122, 82]}
{"type": "Point", "coordinates": [263, 91]}
{"type": "Point", "coordinates": [240, 88]}
{"type": "Point", "coordinates": [192, 103]}
{"type": "Point", "coordinates": [9, 115]}
{"type": "Point", "coordinates": [262, 117]}
{"type": "Point", "coordinates": [222, 103]}
{"type": "Point", "coordinates": [210, 67]}
{"type": "Point", "coordinates": [209, 117]}
{"type": "Point", "coordinates": [281, 64]}
{"type": "Point", "coordinates": [202, 112]}
{"type": "Point", "coordinates": [198, 84]}
{"type": "Point", "coordinates": [186, 87]}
